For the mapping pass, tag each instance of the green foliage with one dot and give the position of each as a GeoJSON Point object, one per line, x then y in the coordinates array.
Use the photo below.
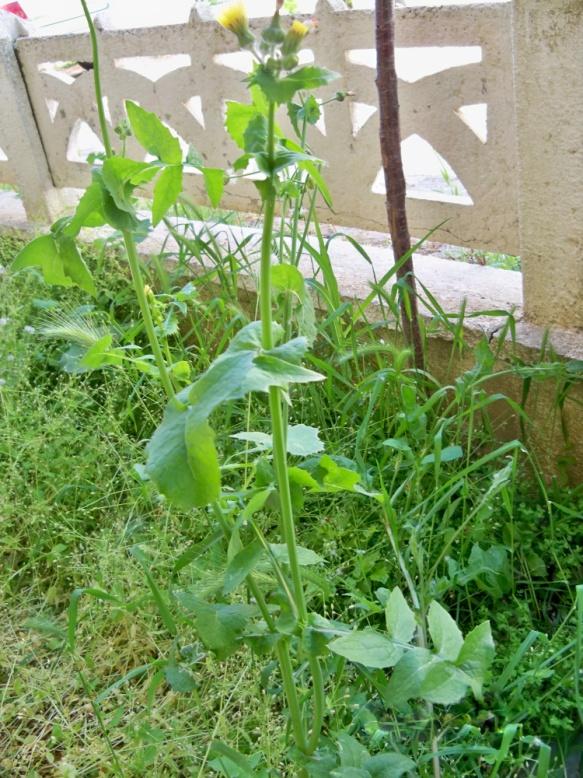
{"type": "Point", "coordinates": [282, 90]}
{"type": "Point", "coordinates": [182, 459]}
{"type": "Point", "coordinates": [198, 557]}
{"type": "Point", "coordinates": [442, 676]}
{"type": "Point", "coordinates": [59, 260]}
{"type": "Point", "coordinates": [152, 135]}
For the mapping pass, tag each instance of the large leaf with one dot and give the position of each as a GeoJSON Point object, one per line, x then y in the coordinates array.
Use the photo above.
{"type": "Point", "coordinates": [338, 478]}
{"type": "Point", "coordinates": [219, 625]}
{"type": "Point", "coordinates": [118, 218]}
{"type": "Point", "coordinates": [152, 135]}
{"type": "Point", "coordinates": [203, 461]}
{"type": "Point", "coordinates": [182, 460]}
{"type": "Point", "coordinates": [351, 752]}
{"type": "Point", "coordinates": [255, 135]}
{"type": "Point", "coordinates": [89, 211]}
{"type": "Point", "coordinates": [281, 90]}
{"type": "Point", "coordinates": [169, 463]}
{"type": "Point", "coordinates": [241, 565]}
{"type": "Point", "coordinates": [303, 440]}
{"type": "Point", "coordinates": [59, 261]}
{"type": "Point", "coordinates": [238, 118]}
{"type": "Point", "coordinates": [166, 191]}
{"type": "Point", "coordinates": [490, 569]}
{"type": "Point", "coordinates": [443, 684]}
{"type": "Point", "coordinates": [121, 176]}
{"type": "Point", "coordinates": [400, 619]}
{"type": "Point", "coordinates": [445, 633]}
{"type": "Point", "coordinates": [408, 675]}
{"type": "Point", "coordinates": [214, 181]}
{"type": "Point", "coordinates": [179, 679]}
{"type": "Point", "coordinates": [476, 655]}
{"type": "Point", "coordinates": [287, 278]}
{"type": "Point", "coordinates": [391, 765]}
{"type": "Point", "coordinates": [306, 556]}
{"type": "Point", "coordinates": [367, 647]}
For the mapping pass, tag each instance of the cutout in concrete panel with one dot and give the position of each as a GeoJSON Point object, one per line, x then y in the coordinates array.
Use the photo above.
{"type": "Point", "coordinates": [428, 175]}
{"type": "Point", "coordinates": [475, 116]}
{"type": "Point", "coordinates": [360, 113]}
{"type": "Point", "coordinates": [416, 62]}
{"type": "Point", "coordinates": [242, 61]}
{"type": "Point", "coordinates": [3, 157]}
{"type": "Point", "coordinates": [82, 142]}
{"type": "Point", "coordinates": [194, 106]}
{"type": "Point", "coordinates": [52, 106]}
{"type": "Point", "coordinates": [59, 70]}
{"type": "Point", "coordinates": [154, 67]}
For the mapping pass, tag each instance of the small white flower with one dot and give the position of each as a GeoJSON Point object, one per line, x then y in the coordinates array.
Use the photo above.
{"type": "Point", "coordinates": [10, 358]}
{"type": "Point", "coordinates": [2, 382]}
{"type": "Point", "coordinates": [28, 329]}
{"type": "Point", "coordinates": [3, 321]}
{"type": "Point", "coordinates": [2, 270]}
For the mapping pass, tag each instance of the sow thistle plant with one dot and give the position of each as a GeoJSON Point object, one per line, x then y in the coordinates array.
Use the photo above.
{"type": "Point", "coordinates": [264, 357]}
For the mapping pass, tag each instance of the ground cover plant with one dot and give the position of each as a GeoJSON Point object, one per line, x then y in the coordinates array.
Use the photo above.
{"type": "Point", "coordinates": [349, 577]}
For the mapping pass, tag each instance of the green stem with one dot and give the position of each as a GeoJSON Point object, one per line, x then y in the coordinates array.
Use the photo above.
{"type": "Point", "coordinates": [279, 429]}
{"type": "Point", "coordinates": [319, 704]}
{"type": "Point", "coordinates": [97, 82]}
{"type": "Point", "coordinates": [287, 517]}
{"type": "Point", "coordinates": [128, 238]}
{"type": "Point", "coordinates": [138, 281]}
{"type": "Point", "coordinates": [287, 676]}
{"type": "Point", "coordinates": [275, 396]}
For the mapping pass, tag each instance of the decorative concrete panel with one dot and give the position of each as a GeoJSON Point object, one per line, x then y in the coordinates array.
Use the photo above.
{"type": "Point", "coordinates": [185, 73]}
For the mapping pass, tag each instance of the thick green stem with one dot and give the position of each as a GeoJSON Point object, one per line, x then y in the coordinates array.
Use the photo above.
{"type": "Point", "coordinates": [275, 395]}
{"type": "Point", "coordinates": [287, 517]}
{"type": "Point", "coordinates": [287, 676]}
{"type": "Point", "coordinates": [279, 430]}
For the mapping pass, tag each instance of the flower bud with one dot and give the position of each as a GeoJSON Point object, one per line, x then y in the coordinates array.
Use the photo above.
{"type": "Point", "coordinates": [274, 65]}
{"type": "Point", "coordinates": [295, 35]}
{"type": "Point", "coordinates": [274, 34]}
{"type": "Point", "coordinates": [234, 18]}
{"type": "Point", "coordinates": [290, 62]}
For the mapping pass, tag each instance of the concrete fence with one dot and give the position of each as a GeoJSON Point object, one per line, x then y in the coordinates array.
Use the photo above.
{"type": "Point", "coordinates": [495, 89]}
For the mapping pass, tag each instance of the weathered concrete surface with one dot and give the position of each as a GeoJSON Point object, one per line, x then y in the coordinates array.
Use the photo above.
{"type": "Point", "coordinates": [549, 93]}
{"type": "Point", "coordinates": [26, 166]}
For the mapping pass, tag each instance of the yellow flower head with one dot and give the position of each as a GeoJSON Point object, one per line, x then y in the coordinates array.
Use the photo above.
{"type": "Point", "coordinates": [234, 18]}
{"type": "Point", "coordinates": [299, 29]}
{"type": "Point", "coordinates": [295, 35]}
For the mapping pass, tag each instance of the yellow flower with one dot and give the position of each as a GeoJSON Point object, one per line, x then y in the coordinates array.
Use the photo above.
{"type": "Point", "coordinates": [295, 35]}
{"type": "Point", "coordinates": [234, 18]}
{"type": "Point", "coordinates": [299, 28]}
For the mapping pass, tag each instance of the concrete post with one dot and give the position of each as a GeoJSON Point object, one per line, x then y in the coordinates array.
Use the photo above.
{"type": "Point", "coordinates": [20, 138]}
{"type": "Point", "coordinates": [548, 61]}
